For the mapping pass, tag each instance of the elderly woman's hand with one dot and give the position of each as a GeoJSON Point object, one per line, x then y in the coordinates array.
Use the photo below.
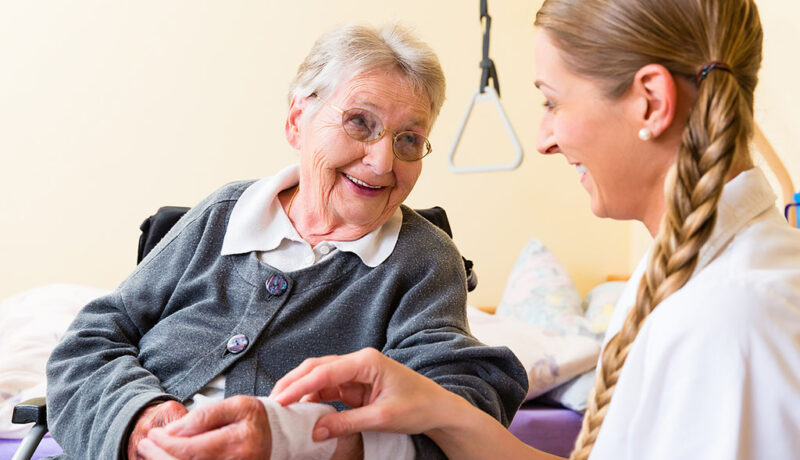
{"type": "Point", "coordinates": [236, 427]}
{"type": "Point", "coordinates": [153, 417]}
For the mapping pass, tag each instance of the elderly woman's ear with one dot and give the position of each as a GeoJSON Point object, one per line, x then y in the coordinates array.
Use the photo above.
{"type": "Point", "coordinates": [292, 128]}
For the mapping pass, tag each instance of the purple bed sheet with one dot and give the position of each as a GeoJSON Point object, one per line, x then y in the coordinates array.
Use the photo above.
{"type": "Point", "coordinates": [550, 429]}
{"type": "Point", "coordinates": [46, 448]}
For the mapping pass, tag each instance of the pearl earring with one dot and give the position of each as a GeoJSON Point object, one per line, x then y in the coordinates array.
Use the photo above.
{"type": "Point", "coordinates": [645, 134]}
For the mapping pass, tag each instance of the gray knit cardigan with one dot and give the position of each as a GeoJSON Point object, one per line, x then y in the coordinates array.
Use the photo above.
{"type": "Point", "coordinates": [162, 334]}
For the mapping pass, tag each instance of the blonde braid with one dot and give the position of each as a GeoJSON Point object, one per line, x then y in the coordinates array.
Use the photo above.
{"type": "Point", "coordinates": [609, 41]}
{"type": "Point", "coordinates": [710, 142]}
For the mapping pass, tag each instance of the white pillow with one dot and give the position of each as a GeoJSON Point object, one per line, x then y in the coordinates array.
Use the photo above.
{"type": "Point", "coordinates": [32, 323]}
{"type": "Point", "coordinates": [549, 357]}
{"type": "Point", "coordinates": [599, 303]}
{"type": "Point", "coordinates": [574, 394]}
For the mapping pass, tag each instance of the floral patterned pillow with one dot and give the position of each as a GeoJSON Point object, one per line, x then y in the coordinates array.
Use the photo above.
{"type": "Point", "coordinates": [599, 303]}
{"type": "Point", "coordinates": [540, 291]}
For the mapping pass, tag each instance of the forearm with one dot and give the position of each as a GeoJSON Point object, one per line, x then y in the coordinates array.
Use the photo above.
{"type": "Point", "coordinates": [75, 421]}
{"type": "Point", "coordinates": [465, 432]}
{"type": "Point", "coordinates": [96, 383]}
{"type": "Point", "coordinates": [490, 378]}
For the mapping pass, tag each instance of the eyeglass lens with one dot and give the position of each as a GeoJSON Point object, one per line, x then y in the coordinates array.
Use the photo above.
{"type": "Point", "coordinates": [363, 125]}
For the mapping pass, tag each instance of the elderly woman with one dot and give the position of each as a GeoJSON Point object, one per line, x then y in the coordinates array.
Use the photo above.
{"type": "Point", "coordinates": [321, 258]}
{"type": "Point", "coordinates": [652, 101]}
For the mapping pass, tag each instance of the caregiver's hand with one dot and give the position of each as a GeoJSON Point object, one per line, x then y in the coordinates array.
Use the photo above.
{"type": "Point", "coordinates": [153, 417]}
{"type": "Point", "coordinates": [236, 427]}
{"type": "Point", "coordinates": [385, 395]}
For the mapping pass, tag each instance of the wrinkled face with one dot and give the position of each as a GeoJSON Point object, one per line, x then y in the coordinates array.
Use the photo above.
{"type": "Point", "coordinates": [598, 136]}
{"type": "Point", "coordinates": [357, 183]}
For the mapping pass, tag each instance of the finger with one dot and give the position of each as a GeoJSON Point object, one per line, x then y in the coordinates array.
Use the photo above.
{"type": "Point", "coordinates": [311, 397]}
{"type": "Point", "coordinates": [367, 418]}
{"type": "Point", "coordinates": [304, 368]}
{"type": "Point", "coordinates": [133, 444]}
{"type": "Point", "coordinates": [332, 373]}
{"type": "Point", "coordinates": [204, 419]}
{"type": "Point", "coordinates": [150, 451]}
{"type": "Point", "coordinates": [320, 381]}
{"type": "Point", "coordinates": [230, 441]}
{"type": "Point", "coordinates": [177, 446]}
{"type": "Point", "coordinates": [354, 394]}
{"type": "Point", "coordinates": [329, 394]}
{"type": "Point", "coordinates": [360, 365]}
{"type": "Point", "coordinates": [168, 412]}
{"type": "Point", "coordinates": [153, 416]}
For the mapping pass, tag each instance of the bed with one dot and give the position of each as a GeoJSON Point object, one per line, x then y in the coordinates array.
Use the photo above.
{"type": "Point", "coordinates": [551, 429]}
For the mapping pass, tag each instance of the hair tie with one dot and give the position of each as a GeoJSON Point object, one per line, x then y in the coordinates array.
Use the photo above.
{"type": "Point", "coordinates": [703, 73]}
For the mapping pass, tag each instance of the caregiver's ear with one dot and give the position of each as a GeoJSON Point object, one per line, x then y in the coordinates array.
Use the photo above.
{"type": "Point", "coordinates": [656, 97]}
{"type": "Point", "coordinates": [293, 120]}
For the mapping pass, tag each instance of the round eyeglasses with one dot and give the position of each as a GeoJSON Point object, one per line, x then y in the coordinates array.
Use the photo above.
{"type": "Point", "coordinates": [364, 126]}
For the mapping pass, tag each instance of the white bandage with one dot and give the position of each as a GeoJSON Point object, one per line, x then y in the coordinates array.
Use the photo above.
{"type": "Point", "coordinates": [387, 445]}
{"type": "Point", "coordinates": [291, 428]}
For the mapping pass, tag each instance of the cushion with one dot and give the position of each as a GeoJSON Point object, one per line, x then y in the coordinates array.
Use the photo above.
{"type": "Point", "coordinates": [540, 291]}
{"type": "Point", "coordinates": [542, 320]}
{"type": "Point", "coordinates": [599, 304]}
{"type": "Point", "coordinates": [550, 358]}
{"type": "Point", "coordinates": [573, 394]}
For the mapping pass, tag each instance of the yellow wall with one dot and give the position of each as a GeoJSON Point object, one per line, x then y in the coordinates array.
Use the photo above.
{"type": "Point", "coordinates": [109, 110]}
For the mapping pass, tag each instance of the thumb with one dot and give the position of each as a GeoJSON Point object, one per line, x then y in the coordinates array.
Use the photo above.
{"type": "Point", "coordinates": [335, 424]}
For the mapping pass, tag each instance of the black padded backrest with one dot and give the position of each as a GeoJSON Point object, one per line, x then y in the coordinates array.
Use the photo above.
{"type": "Point", "coordinates": [437, 217]}
{"type": "Point", "coordinates": [156, 226]}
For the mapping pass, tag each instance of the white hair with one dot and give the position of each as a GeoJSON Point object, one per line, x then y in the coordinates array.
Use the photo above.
{"type": "Point", "coordinates": [353, 50]}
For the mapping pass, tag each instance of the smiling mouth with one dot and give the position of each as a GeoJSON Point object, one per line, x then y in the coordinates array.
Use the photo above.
{"type": "Point", "coordinates": [581, 169]}
{"type": "Point", "coordinates": [361, 183]}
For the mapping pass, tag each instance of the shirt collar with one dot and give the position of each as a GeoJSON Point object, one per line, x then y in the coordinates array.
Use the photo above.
{"type": "Point", "coordinates": [743, 198]}
{"type": "Point", "coordinates": [258, 223]}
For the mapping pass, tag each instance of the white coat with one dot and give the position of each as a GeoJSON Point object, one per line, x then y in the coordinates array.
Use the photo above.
{"type": "Point", "coordinates": [714, 372]}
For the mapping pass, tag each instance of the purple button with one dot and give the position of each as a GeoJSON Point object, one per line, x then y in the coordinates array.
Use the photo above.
{"type": "Point", "coordinates": [276, 285]}
{"type": "Point", "coordinates": [237, 343]}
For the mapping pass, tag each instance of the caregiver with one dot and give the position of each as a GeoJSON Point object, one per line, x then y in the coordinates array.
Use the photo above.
{"type": "Point", "coordinates": [652, 101]}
